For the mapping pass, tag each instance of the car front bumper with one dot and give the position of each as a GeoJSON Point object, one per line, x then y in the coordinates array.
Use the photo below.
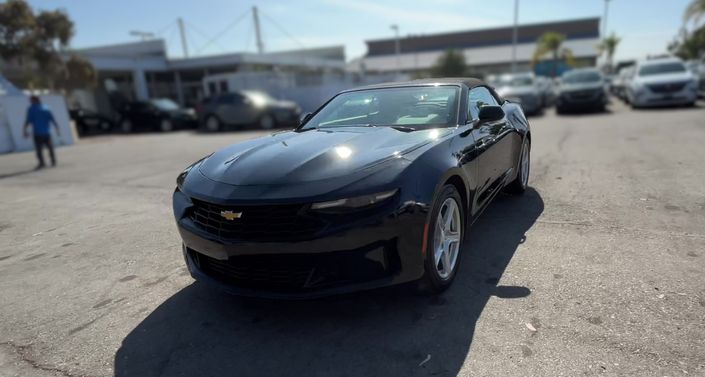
{"type": "Point", "coordinates": [646, 98]}
{"type": "Point", "coordinates": [379, 250]}
{"type": "Point", "coordinates": [581, 100]}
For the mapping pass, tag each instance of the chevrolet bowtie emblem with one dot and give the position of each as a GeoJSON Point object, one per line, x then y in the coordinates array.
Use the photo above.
{"type": "Point", "coordinates": [230, 215]}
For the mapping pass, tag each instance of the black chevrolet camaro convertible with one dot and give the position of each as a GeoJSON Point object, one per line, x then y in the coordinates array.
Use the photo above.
{"type": "Point", "coordinates": [375, 188]}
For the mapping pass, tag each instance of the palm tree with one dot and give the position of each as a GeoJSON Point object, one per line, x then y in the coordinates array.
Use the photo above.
{"type": "Point", "coordinates": [552, 43]}
{"type": "Point", "coordinates": [608, 46]}
{"type": "Point", "coordinates": [695, 11]}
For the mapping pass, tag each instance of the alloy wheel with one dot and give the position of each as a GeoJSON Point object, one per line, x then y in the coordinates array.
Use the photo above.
{"type": "Point", "coordinates": [446, 242]}
{"type": "Point", "coordinates": [126, 126]}
{"type": "Point", "coordinates": [166, 125]}
{"type": "Point", "coordinates": [266, 122]}
{"type": "Point", "coordinates": [212, 124]}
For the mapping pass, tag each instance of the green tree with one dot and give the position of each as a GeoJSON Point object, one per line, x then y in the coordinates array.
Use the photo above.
{"type": "Point", "coordinates": [450, 64]}
{"type": "Point", "coordinates": [691, 47]}
{"type": "Point", "coordinates": [695, 11]}
{"type": "Point", "coordinates": [78, 73]}
{"type": "Point", "coordinates": [34, 41]}
{"type": "Point", "coordinates": [608, 47]}
{"type": "Point", "coordinates": [551, 43]}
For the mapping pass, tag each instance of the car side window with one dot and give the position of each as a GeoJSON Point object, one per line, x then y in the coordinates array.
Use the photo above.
{"type": "Point", "coordinates": [230, 99]}
{"type": "Point", "coordinates": [477, 98]}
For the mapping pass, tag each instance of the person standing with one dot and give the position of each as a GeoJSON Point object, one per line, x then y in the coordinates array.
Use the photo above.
{"type": "Point", "coordinates": [40, 117]}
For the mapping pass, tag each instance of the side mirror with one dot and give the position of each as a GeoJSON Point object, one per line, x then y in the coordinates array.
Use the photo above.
{"type": "Point", "coordinates": [305, 118]}
{"type": "Point", "coordinates": [490, 114]}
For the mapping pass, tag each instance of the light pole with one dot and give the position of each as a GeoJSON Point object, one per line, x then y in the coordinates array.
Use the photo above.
{"type": "Point", "coordinates": [604, 20]}
{"type": "Point", "coordinates": [515, 34]}
{"type": "Point", "coordinates": [397, 48]}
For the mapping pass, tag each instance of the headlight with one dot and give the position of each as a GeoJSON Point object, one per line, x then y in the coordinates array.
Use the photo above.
{"type": "Point", "coordinates": [182, 176]}
{"type": "Point", "coordinates": [356, 202]}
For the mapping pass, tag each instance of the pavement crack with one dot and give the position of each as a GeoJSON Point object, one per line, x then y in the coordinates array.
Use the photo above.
{"type": "Point", "coordinates": [24, 351]}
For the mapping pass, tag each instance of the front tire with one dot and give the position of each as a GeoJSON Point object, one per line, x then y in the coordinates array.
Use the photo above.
{"type": "Point", "coordinates": [445, 234]}
{"type": "Point", "coordinates": [521, 182]}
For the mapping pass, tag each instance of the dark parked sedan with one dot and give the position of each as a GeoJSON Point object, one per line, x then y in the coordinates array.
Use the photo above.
{"type": "Point", "coordinates": [375, 188]}
{"type": "Point", "coordinates": [247, 108]}
{"type": "Point", "coordinates": [580, 90]}
{"type": "Point", "coordinates": [159, 114]}
{"type": "Point", "coordinates": [88, 121]}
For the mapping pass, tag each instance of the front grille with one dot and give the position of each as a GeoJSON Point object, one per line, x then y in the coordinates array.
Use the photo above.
{"type": "Point", "coordinates": [257, 222]}
{"type": "Point", "coordinates": [583, 95]}
{"type": "Point", "coordinates": [667, 88]}
{"type": "Point", "coordinates": [302, 272]}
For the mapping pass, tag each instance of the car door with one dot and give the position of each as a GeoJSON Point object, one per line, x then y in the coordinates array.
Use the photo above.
{"type": "Point", "coordinates": [233, 109]}
{"type": "Point", "coordinates": [490, 160]}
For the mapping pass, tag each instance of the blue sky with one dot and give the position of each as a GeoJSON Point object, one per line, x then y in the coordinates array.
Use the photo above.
{"type": "Point", "coordinates": [646, 26]}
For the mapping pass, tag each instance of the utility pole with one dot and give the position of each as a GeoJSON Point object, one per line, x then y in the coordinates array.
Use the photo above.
{"type": "Point", "coordinates": [258, 32]}
{"type": "Point", "coordinates": [515, 35]}
{"type": "Point", "coordinates": [182, 30]}
{"type": "Point", "coordinates": [604, 20]}
{"type": "Point", "coordinates": [397, 48]}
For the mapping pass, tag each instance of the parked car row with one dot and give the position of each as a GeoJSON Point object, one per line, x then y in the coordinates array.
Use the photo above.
{"type": "Point", "coordinates": [215, 113]}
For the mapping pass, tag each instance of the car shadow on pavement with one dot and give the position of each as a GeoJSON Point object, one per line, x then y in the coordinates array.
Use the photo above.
{"type": "Point", "coordinates": [392, 331]}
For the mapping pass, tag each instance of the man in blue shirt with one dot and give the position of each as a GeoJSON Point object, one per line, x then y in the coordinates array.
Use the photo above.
{"type": "Point", "coordinates": [40, 118]}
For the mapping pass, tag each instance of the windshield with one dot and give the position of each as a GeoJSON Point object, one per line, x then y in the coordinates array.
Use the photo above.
{"type": "Point", "coordinates": [409, 106]}
{"type": "Point", "coordinates": [165, 104]}
{"type": "Point", "coordinates": [516, 81]}
{"type": "Point", "coordinates": [581, 77]}
{"type": "Point", "coordinates": [663, 68]}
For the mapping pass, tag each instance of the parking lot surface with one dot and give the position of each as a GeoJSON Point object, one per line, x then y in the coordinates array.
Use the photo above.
{"type": "Point", "coordinates": [598, 270]}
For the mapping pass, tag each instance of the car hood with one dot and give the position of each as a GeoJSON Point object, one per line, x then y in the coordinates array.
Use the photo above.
{"type": "Point", "coordinates": [296, 157]}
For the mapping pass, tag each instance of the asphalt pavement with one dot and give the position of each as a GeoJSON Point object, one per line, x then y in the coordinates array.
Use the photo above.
{"type": "Point", "coordinates": [598, 270]}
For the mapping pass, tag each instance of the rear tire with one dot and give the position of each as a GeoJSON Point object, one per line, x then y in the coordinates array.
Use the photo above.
{"type": "Point", "coordinates": [521, 182]}
{"type": "Point", "coordinates": [213, 124]}
{"type": "Point", "coordinates": [126, 126]}
{"type": "Point", "coordinates": [267, 122]}
{"type": "Point", "coordinates": [445, 240]}
{"type": "Point", "coordinates": [165, 125]}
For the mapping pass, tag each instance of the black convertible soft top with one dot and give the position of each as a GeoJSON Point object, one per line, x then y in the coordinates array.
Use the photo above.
{"type": "Point", "coordinates": [470, 82]}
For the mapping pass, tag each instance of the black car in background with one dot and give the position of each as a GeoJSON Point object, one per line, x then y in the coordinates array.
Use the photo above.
{"type": "Point", "coordinates": [159, 114]}
{"type": "Point", "coordinates": [89, 121]}
{"type": "Point", "coordinates": [581, 90]}
{"type": "Point", "coordinates": [375, 188]}
{"type": "Point", "coordinates": [247, 108]}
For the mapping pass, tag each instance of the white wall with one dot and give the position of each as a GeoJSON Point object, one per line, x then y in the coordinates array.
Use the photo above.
{"type": "Point", "coordinates": [13, 116]}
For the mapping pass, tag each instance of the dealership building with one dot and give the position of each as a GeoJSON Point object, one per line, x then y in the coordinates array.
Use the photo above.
{"type": "Point", "coordinates": [486, 51]}
{"type": "Point", "coordinates": [142, 70]}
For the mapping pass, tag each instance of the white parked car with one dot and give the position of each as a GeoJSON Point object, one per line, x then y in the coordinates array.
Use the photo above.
{"type": "Point", "coordinates": [664, 81]}
{"type": "Point", "coordinates": [523, 89]}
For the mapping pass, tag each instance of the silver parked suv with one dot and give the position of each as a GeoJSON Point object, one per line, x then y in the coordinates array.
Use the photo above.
{"type": "Point", "coordinates": [247, 108]}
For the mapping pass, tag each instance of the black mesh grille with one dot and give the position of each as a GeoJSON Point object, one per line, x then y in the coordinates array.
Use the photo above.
{"type": "Point", "coordinates": [667, 88]}
{"type": "Point", "coordinates": [302, 272]}
{"type": "Point", "coordinates": [256, 223]}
